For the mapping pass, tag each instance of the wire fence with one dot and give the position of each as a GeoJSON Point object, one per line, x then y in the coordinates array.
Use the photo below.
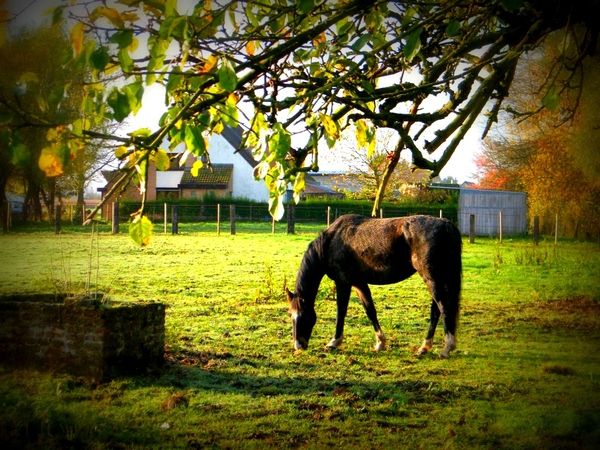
{"type": "Point", "coordinates": [234, 219]}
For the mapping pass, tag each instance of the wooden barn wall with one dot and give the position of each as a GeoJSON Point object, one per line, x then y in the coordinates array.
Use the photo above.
{"type": "Point", "coordinates": [486, 206]}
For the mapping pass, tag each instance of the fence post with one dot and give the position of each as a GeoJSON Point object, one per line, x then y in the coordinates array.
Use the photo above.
{"type": "Point", "coordinates": [441, 215]}
{"type": "Point", "coordinates": [165, 216]}
{"type": "Point", "coordinates": [175, 220]}
{"type": "Point", "coordinates": [556, 230]}
{"type": "Point", "coordinates": [57, 219]}
{"type": "Point", "coordinates": [218, 219]}
{"type": "Point", "coordinates": [115, 215]}
{"type": "Point", "coordinates": [472, 228]}
{"type": "Point", "coordinates": [83, 213]}
{"type": "Point", "coordinates": [381, 213]}
{"type": "Point", "coordinates": [232, 218]}
{"type": "Point", "coordinates": [536, 230]}
{"type": "Point", "coordinates": [500, 226]}
{"type": "Point", "coordinates": [290, 219]}
{"type": "Point", "coordinates": [328, 216]}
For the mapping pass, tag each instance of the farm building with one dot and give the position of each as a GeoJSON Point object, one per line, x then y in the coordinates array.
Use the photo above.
{"type": "Point", "coordinates": [486, 206]}
{"type": "Point", "coordinates": [231, 174]}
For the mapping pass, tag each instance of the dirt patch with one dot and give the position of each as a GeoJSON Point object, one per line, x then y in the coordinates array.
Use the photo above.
{"type": "Point", "coordinates": [580, 313]}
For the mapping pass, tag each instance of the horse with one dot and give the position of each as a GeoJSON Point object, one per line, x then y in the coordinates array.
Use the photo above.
{"type": "Point", "coordinates": [357, 251]}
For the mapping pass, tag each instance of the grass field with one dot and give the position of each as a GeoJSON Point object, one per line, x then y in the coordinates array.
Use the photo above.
{"type": "Point", "coordinates": [526, 374]}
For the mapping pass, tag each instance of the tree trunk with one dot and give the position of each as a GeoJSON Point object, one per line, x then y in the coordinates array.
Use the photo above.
{"type": "Point", "coordinates": [393, 159]}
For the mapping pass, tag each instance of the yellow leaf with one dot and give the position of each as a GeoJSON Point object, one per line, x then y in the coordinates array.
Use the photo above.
{"type": "Point", "coordinates": [210, 63]}
{"type": "Point", "coordinates": [50, 163]}
{"type": "Point", "coordinates": [250, 48]}
{"type": "Point", "coordinates": [361, 133]}
{"type": "Point", "coordinates": [196, 168]}
{"type": "Point", "coordinates": [121, 152]}
{"type": "Point", "coordinates": [162, 160]}
{"type": "Point", "coordinates": [77, 36]}
{"type": "Point", "coordinates": [330, 126]}
{"type": "Point", "coordinates": [320, 38]}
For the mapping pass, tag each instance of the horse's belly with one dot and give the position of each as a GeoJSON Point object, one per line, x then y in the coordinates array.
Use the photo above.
{"type": "Point", "coordinates": [386, 277]}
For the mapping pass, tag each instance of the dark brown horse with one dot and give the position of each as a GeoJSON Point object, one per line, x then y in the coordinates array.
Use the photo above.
{"type": "Point", "coordinates": [356, 251]}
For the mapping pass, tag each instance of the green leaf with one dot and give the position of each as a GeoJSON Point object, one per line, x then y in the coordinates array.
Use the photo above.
{"type": "Point", "coordinates": [100, 58]}
{"type": "Point", "coordinates": [230, 114]}
{"type": "Point", "coordinates": [360, 42]}
{"type": "Point", "coordinates": [141, 132]}
{"type": "Point", "coordinates": [261, 170]}
{"type": "Point", "coordinates": [452, 28]}
{"type": "Point", "coordinates": [413, 44]}
{"type": "Point", "coordinates": [123, 39]}
{"type": "Point", "coordinates": [175, 80]}
{"type": "Point", "coordinates": [119, 104]}
{"type": "Point", "coordinates": [227, 77]}
{"type": "Point", "coordinates": [125, 60]}
{"type": "Point", "coordinates": [280, 142]}
{"type": "Point", "coordinates": [6, 117]}
{"type": "Point", "coordinates": [140, 230]}
{"type": "Point", "coordinates": [194, 140]}
{"type": "Point", "coordinates": [551, 100]}
{"type": "Point", "coordinates": [134, 93]}
{"type": "Point", "coordinates": [512, 5]}
{"type": "Point", "coordinates": [162, 160]}
{"type": "Point", "coordinates": [57, 15]}
{"type": "Point", "coordinates": [299, 186]}
{"type": "Point", "coordinates": [306, 6]}
{"type": "Point", "coordinates": [276, 208]}
{"type": "Point", "coordinates": [19, 154]}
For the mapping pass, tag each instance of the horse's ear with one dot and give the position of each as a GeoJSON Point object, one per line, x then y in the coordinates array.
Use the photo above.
{"type": "Point", "coordinates": [290, 296]}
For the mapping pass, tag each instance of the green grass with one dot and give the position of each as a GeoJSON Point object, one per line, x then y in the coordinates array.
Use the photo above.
{"type": "Point", "coordinates": [525, 375]}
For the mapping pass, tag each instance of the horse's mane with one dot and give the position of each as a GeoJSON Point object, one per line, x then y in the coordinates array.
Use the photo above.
{"type": "Point", "coordinates": [312, 269]}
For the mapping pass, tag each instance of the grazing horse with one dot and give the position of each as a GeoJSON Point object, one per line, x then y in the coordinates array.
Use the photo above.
{"type": "Point", "coordinates": [356, 251]}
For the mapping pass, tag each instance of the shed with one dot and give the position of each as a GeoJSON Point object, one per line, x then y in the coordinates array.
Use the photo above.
{"type": "Point", "coordinates": [486, 206]}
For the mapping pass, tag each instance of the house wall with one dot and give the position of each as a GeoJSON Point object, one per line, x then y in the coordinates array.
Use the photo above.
{"type": "Point", "coordinates": [486, 206]}
{"type": "Point", "coordinates": [244, 185]}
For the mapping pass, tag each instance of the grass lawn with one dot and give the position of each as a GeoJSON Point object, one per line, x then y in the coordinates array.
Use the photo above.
{"type": "Point", "coordinates": [525, 375]}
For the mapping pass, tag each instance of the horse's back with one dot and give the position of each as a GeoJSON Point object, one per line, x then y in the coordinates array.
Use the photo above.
{"type": "Point", "coordinates": [381, 251]}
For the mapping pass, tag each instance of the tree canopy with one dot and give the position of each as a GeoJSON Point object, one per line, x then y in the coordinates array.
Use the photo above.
{"type": "Point", "coordinates": [293, 73]}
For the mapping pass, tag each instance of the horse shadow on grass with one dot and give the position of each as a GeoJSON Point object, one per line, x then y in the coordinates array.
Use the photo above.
{"type": "Point", "coordinates": [226, 373]}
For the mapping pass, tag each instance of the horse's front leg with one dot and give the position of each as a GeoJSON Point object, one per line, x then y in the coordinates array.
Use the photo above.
{"type": "Point", "coordinates": [364, 293]}
{"type": "Point", "coordinates": [342, 299]}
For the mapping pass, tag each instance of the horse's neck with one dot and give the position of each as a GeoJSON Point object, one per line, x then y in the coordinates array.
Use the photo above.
{"type": "Point", "coordinates": [311, 272]}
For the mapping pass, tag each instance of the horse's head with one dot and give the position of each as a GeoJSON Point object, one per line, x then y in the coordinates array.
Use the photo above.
{"type": "Point", "coordinates": [303, 317]}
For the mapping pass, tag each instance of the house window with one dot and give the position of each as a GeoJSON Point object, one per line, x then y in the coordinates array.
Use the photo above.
{"type": "Point", "coordinates": [193, 194]}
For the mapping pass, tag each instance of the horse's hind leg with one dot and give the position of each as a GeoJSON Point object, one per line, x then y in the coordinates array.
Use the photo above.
{"type": "Point", "coordinates": [448, 310]}
{"type": "Point", "coordinates": [364, 293]}
{"type": "Point", "coordinates": [433, 321]}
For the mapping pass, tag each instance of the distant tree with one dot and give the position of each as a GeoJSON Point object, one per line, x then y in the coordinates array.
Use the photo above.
{"type": "Point", "coordinates": [366, 166]}
{"type": "Point", "coordinates": [552, 155]}
{"type": "Point", "coordinates": [38, 95]}
{"type": "Point", "coordinates": [427, 69]}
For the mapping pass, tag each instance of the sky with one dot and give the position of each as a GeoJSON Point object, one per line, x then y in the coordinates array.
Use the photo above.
{"type": "Point", "coordinates": [460, 166]}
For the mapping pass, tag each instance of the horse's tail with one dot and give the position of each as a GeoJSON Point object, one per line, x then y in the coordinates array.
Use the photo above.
{"type": "Point", "coordinates": [454, 267]}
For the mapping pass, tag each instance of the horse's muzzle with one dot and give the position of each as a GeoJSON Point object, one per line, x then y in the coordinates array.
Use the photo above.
{"type": "Point", "coordinates": [300, 344]}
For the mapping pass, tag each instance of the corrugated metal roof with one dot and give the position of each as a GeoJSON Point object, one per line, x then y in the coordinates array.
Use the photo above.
{"type": "Point", "coordinates": [213, 176]}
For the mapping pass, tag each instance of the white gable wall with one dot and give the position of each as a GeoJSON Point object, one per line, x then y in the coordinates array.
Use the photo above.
{"type": "Point", "coordinates": [170, 179]}
{"type": "Point", "coordinates": [244, 185]}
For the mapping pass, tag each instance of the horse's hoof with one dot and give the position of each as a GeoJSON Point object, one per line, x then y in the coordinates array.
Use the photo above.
{"type": "Point", "coordinates": [334, 343]}
{"type": "Point", "coordinates": [444, 355]}
{"type": "Point", "coordinates": [379, 347]}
